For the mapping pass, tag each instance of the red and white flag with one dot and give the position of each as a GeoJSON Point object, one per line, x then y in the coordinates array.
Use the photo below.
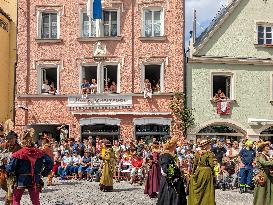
{"type": "Point", "coordinates": [223, 107]}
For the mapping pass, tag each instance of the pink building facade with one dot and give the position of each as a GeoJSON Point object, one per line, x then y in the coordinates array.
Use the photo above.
{"type": "Point", "coordinates": [136, 40]}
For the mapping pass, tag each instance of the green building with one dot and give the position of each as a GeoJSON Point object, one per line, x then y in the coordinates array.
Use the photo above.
{"type": "Point", "coordinates": [234, 54]}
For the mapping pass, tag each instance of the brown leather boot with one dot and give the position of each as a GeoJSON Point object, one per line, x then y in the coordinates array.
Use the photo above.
{"type": "Point", "coordinates": [49, 179]}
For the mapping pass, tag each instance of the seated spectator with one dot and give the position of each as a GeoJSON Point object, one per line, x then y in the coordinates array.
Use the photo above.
{"type": "Point", "coordinates": [66, 164]}
{"type": "Point", "coordinates": [76, 164]}
{"type": "Point", "coordinates": [45, 87]}
{"type": "Point", "coordinates": [85, 163]}
{"type": "Point", "coordinates": [113, 87]}
{"type": "Point", "coordinates": [94, 168]}
{"type": "Point", "coordinates": [229, 169]}
{"type": "Point", "coordinates": [93, 87]}
{"type": "Point", "coordinates": [85, 86]}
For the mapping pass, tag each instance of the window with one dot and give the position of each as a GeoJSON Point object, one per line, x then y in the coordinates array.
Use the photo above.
{"type": "Point", "coordinates": [109, 26]}
{"type": "Point", "coordinates": [153, 22]}
{"type": "Point", "coordinates": [104, 77]}
{"type": "Point", "coordinates": [222, 87]}
{"type": "Point", "coordinates": [151, 132]}
{"type": "Point", "coordinates": [49, 82]}
{"type": "Point", "coordinates": [154, 74]}
{"type": "Point", "coordinates": [110, 19]}
{"type": "Point", "coordinates": [49, 26]}
{"type": "Point", "coordinates": [265, 34]}
{"type": "Point", "coordinates": [87, 29]}
{"type": "Point", "coordinates": [3, 25]}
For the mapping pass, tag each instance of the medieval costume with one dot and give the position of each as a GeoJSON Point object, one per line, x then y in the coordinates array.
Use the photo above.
{"type": "Point", "coordinates": [172, 191]}
{"type": "Point", "coordinates": [27, 166]}
{"type": "Point", "coordinates": [106, 181]}
{"type": "Point", "coordinates": [46, 147]}
{"type": "Point", "coordinates": [10, 146]}
{"type": "Point", "coordinates": [153, 178]}
{"type": "Point", "coordinates": [201, 188]}
{"type": "Point", "coordinates": [263, 193]}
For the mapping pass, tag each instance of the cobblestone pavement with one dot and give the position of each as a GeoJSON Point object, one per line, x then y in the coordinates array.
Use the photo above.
{"type": "Point", "coordinates": [87, 193]}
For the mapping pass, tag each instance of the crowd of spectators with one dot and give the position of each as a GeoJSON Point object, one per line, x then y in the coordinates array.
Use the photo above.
{"type": "Point", "coordinates": [80, 160]}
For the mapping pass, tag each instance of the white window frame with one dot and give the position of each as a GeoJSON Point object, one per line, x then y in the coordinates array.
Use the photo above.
{"type": "Point", "coordinates": [39, 75]}
{"type": "Point", "coordinates": [39, 23]}
{"type": "Point", "coordinates": [153, 9]}
{"type": "Point", "coordinates": [232, 84]}
{"type": "Point", "coordinates": [100, 75]}
{"type": "Point", "coordinates": [82, 11]}
{"type": "Point", "coordinates": [118, 75]}
{"type": "Point", "coordinates": [162, 77]}
{"type": "Point", "coordinates": [101, 23]}
{"type": "Point", "coordinates": [118, 21]}
{"type": "Point", "coordinates": [264, 25]}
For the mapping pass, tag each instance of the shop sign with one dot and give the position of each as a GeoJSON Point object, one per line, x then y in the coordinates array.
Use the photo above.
{"type": "Point", "coordinates": [119, 101]}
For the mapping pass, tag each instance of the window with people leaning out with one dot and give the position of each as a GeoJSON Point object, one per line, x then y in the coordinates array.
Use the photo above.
{"type": "Point", "coordinates": [49, 79]}
{"type": "Point", "coordinates": [109, 26]}
{"type": "Point", "coordinates": [222, 88]}
{"type": "Point", "coordinates": [97, 79]}
{"type": "Point", "coordinates": [152, 79]}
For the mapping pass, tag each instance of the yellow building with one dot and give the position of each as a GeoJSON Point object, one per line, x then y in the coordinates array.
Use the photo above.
{"type": "Point", "coordinates": [8, 18]}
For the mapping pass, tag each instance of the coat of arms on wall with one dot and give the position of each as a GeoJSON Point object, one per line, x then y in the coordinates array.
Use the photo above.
{"type": "Point", "coordinates": [99, 50]}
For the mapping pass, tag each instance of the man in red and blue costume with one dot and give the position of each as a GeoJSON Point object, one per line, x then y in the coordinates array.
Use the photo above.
{"type": "Point", "coordinates": [28, 165]}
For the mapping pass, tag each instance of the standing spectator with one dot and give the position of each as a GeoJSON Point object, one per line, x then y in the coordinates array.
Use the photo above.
{"type": "Point", "coordinates": [219, 151]}
{"type": "Point", "coordinates": [246, 159]}
{"type": "Point", "coordinates": [28, 165]}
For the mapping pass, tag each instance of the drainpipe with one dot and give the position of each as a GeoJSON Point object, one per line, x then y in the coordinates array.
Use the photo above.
{"type": "Point", "coordinates": [133, 46]}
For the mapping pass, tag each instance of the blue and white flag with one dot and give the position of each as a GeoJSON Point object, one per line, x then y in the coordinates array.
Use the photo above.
{"type": "Point", "coordinates": [94, 9]}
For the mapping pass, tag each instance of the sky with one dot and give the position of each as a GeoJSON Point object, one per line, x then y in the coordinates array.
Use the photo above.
{"type": "Point", "coordinates": [206, 10]}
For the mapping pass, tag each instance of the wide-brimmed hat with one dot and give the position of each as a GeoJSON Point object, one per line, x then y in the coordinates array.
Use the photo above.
{"type": "Point", "coordinates": [11, 135]}
{"type": "Point", "coordinates": [204, 143]}
{"type": "Point", "coordinates": [262, 145]}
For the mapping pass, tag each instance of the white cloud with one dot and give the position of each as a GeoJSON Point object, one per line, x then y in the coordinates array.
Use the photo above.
{"type": "Point", "coordinates": [206, 10]}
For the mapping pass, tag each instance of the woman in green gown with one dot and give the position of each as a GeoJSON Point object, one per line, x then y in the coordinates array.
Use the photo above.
{"type": "Point", "coordinates": [106, 180]}
{"type": "Point", "coordinates": [201, 189]}
{"type": "Point", "coordinates": [263, 193]}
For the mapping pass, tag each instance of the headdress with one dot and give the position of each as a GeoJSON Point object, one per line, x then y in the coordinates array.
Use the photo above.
{"type": "Point", "coordinates": [170, 144]}
{"type": "Point", "coordinates": [27, 139]}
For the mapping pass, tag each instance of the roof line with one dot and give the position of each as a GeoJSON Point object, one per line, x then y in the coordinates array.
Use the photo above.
{"type": "Point", "coordinates": [5, 14]}
{"type": "Point", "coordinates": [214, 25]}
